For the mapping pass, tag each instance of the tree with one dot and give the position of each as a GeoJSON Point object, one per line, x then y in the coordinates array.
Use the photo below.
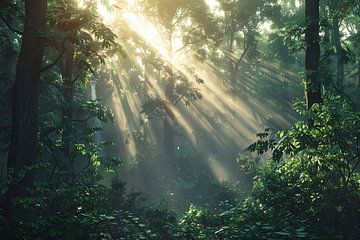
{"type": "Point", "coordinates": [240, 23]}
{"type": "Point", "coordinates": [22, 153]}
{"type": "Point", "coordinates": [168, 15]}
{"type": "Point", "coordinates": [312, 53]}
{"type": "Point", "coordinates": [83, 41]}
{"type": "Point", "coordinates": [9, 49]}
{"type": "Point", "coordinates": [336, 22]}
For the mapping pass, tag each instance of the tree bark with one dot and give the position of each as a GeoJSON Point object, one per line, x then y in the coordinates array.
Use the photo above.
{"type": "Point", "coordinates": [231, 63]}
{"type": "Point", "coordinates": [339, 54]}
{"type": "Point", "coordinates": [169, 121]}
{"type": "Point", "coordinates": [22, 153]}
{"type": "Point", "coordinates": [359, 74]}
{"type": "Point", "coordinates": [68, 109]}
{"type": "Point", "coordinates": [312, 53]}
{"type": "Point", "coordinates": [327, 46]}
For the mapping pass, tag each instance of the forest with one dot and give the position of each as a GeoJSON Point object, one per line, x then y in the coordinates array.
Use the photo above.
{"type": "Point", "coordinates": [179, 119]}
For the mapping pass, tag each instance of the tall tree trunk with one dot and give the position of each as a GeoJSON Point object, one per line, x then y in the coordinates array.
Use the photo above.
{"type": "Point", "coordinates": [312, 53]}
{"type": "Point", "coordinates": [22, 153]}
{"type": "Point", "coordinates": [146, 79]}
{"type": "Point", "coordinates": [232, 70]}
{"type": "Point", "coordinates": [68, 109]}
{"type": "Point", "coordinates": [169, 121]}
{"type": "Point", "coordinates": [358, 73]}
{"type": "Point", "coordinates": [339, 54]}
{"type": "Point", "coordinates": [327, 46]}
{"type": "Point", "coordinates": [231, 63]}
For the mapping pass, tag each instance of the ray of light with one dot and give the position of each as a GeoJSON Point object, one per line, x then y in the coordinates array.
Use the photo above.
{"type": "Point", "coordinates": [219, 171]}
{"type": "Point", "coordinates": [226, 120]}
{"type": "Point", "coordinates": [107, 12]}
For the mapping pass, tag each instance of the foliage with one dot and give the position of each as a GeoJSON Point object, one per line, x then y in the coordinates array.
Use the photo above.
{"type": "Point", "coordinates": [309, 189]}
{"type": "Point", "coordinates": [248, 165]}
{"type": "Point", "coordinates": [314, 194]}
{"type": "Point", "coordinates": [319, 168]}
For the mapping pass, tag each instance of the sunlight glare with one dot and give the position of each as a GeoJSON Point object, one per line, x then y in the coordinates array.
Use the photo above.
{"type": "Point", "coordinates": [147, 31]}
{"type": "Point", "coordinates": [131, 2]}
{"type": "Point", "coordinates": [214, 7]}
{"type": "Point", "coordinates": [219, 171]}
{"type": "Point", "coordinates": [104, 12]}
{"type": "Point", "coordinates": [266, 27]}
{"type": "Point", "coordinates": [81, 4]}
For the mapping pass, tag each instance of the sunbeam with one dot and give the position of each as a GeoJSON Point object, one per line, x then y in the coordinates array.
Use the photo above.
{"type": "Point", "coordinates": [227, 121]}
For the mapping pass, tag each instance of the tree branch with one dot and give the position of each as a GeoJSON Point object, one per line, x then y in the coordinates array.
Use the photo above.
{"type": "Point", "coordinates": [241, 57]}
{"type": "Point", "coordinates": [179, 99]}
{"type": "Point", "coordinates": [61, 54]}
{"type": "Point", "coordinates": [82, 120]}
{"type": "Point", "coordinates": [54, 62]}
{"type": "Point", "coordinates": [187, 39]}
{"type": "Point", "coordinates": [75, 79]}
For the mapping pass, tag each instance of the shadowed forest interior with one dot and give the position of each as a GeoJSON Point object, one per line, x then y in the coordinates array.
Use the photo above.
{"type": "Point", "coordinates": [180, 119]}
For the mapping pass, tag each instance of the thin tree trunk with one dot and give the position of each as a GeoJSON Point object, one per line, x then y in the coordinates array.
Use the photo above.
{"type": "Point", "coordinates": [146, 79]}
{"type": "Point", "coordinates": [339, 54]}
{"type": "Point", "coordinates": [169, 121]}
{"type": "Point", "coordinates": [359, 74]}
{"type": "Point", "coordinates": [68, 109]}
{"type": "Point", "coordinates": [231, 63]}
{"type": "Point", "coordinates": [312, 53]}
{"type": "Point", "coordinates": [327, 48]}
{"type": "Point", "coordinates": [232, 70]}
{"type": "Point", "coordinates": [22, 153]}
